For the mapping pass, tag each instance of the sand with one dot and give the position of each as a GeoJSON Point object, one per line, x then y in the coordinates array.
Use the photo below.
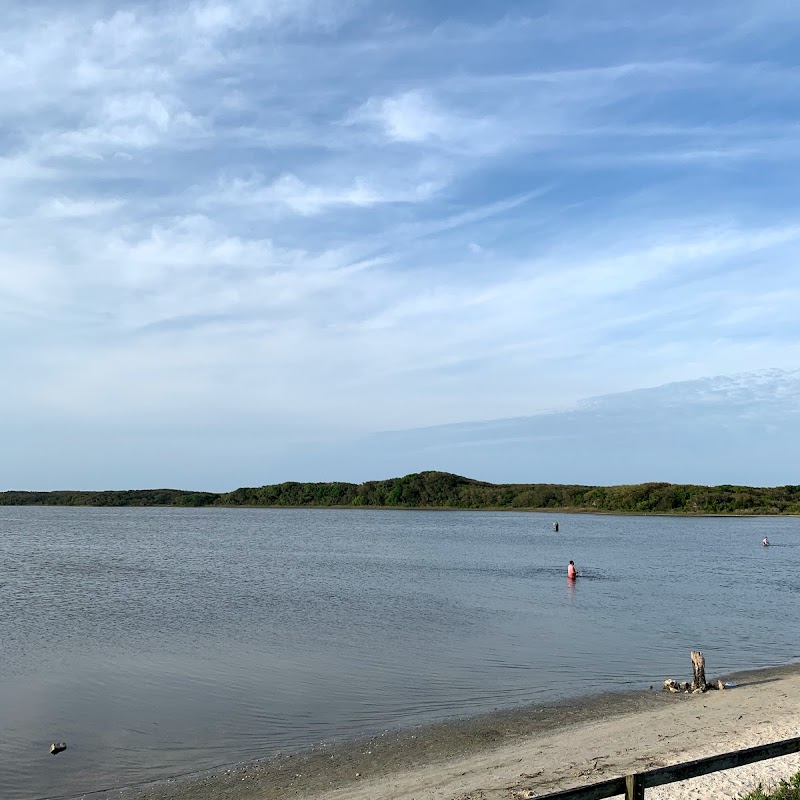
{"type": "Point", "coordinates": [528, 753]}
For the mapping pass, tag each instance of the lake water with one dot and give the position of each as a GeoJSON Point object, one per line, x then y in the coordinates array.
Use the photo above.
{"type": "Point", "coordinates": [161, 641]}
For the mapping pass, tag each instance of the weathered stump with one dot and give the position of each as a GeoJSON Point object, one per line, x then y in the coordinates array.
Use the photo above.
{"type": "Point", "coordinates": [698, 684]}
{"type": "Point", "coordinates": [699, 670]}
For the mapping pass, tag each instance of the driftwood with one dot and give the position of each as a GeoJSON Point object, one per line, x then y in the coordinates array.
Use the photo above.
{"type": "Point", "coordinates": [699, 683]}
{"type": "Point", "coordinates": [699, 670]}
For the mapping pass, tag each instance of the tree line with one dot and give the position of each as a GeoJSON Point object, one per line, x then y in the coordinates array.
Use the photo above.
{"type": "Point", "coordinates": [444, 490]}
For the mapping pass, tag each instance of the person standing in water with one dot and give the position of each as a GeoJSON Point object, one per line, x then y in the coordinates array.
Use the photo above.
{"type": "Point", "coordinates": [572, 573]}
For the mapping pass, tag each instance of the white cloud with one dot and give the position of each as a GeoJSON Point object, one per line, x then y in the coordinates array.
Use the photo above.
{"type": "Point", "coordinates": [72, 208]}
{"type": "Point", "coordinates": [288, 192]}
{"type": "Point", "coordinates": [416, 117]}
{"type": "Point", "coordinates": [412, 117]}
{"type": "Point", "coordinates": [137, 122]}
{"type": "Point", "coordinates": [475, 116]}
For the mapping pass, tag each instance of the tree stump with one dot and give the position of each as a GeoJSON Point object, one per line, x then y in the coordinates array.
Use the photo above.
{"type": "Point", "coordinates": [699, 670]}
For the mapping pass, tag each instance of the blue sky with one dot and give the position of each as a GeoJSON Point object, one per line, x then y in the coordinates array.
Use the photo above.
{"type": "Point", "coordinates": [237, 231]}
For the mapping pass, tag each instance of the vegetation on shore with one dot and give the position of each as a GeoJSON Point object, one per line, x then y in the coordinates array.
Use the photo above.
{"type": "Point", "coordinates": [125, 497]}
{"type": "Point", "coordinates": [785, 790]}
{"type": "Point", "coordinates": [444, 490]}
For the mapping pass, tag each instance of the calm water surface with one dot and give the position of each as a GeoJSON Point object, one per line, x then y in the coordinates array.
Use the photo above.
{"type": "Point", "coordinates": [161, 641]}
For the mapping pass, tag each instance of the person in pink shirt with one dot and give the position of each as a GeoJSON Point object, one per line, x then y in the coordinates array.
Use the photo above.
{"type": "Point", "coordinates": [572, 573]}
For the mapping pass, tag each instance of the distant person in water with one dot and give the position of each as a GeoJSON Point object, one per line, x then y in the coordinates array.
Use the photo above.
{"type": "Point", "coordinates": [765, 542]}
{"type": "Point", "coordinates": [572, 573]}
{"type": "Point", "coordinates": [555, 527]}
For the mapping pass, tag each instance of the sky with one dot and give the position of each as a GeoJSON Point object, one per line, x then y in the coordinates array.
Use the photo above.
{"type": "Point", "coordinates": [247, 241]}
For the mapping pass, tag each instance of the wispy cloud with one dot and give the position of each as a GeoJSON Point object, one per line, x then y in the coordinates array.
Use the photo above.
{"type": "Point", "coordinates": [288, 193]}
{"type": "Point", "coordinates": [415, 116]}
{"type": "Point", "coordinates": [695, 432]}
{"type": "Point", "coordinates": [70, 207]}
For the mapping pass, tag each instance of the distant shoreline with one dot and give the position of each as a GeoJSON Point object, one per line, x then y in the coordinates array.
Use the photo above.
{"type": "Point", "coordinates": [443, 509]}
{"type": "Point", "coordinates": [444, 491]}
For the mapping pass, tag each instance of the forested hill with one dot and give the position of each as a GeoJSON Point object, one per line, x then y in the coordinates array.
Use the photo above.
{"type": "Point", "coordinates": [443, 490]}
{"type": "Point", "coordinates": [124, 497]}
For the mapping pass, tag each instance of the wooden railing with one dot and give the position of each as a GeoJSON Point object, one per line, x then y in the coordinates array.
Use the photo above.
{"type": "Point", "coordinates": [633, 786]}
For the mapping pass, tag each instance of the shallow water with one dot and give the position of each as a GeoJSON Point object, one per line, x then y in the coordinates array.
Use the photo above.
{"type": "Point", "coordinates": [157, 642]}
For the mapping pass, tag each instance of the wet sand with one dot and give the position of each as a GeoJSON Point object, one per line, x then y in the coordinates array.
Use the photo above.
{"type": "Point", "coordinates": [525, 753]}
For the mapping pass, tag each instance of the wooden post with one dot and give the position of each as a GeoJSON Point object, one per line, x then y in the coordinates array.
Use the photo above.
{"type": "Point", "coordinates": [699, 670]}
{"type": "Point", "coordinates": [634, 787]}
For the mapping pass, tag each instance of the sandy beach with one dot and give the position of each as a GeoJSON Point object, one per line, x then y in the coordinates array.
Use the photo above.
{"type": "Point", "coordinates": [528, 753]}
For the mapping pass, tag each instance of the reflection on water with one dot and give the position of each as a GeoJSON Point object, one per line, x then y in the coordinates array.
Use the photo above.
{"type": "Point", "coordinates": [160, 641]}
